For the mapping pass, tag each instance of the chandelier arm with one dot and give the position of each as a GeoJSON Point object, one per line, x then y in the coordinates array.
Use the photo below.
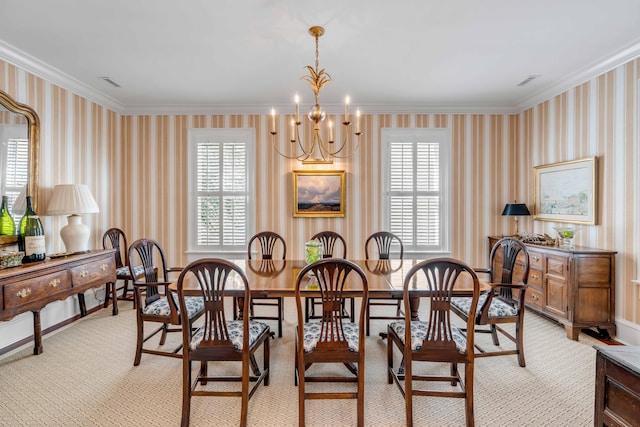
{"type": "Point", "coordinates": [297, 157]}
{"type": "Point", "coordinates": [337, 152]}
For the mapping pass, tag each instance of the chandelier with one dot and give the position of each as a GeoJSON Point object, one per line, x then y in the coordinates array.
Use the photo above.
{"type": "Point", "coordinates": [317, 150]}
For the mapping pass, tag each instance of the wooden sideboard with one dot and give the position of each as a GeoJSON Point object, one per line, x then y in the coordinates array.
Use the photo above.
{"type": "Point", "coordinates": [617, 396]}
{"type": "Point", "coordinates": [30, 287]}
{"type": "Point", "coordinates": [573, 286]}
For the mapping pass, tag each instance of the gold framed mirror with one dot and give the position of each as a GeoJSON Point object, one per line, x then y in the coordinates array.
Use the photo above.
{"type": "Point", "coordinates": [19, 153]}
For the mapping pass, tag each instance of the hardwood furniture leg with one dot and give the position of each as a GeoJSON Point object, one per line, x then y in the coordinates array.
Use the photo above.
{"type": "Point", "coordinates": [83, 305]}
{"type": "Point", "coordinates": [114, 298]}
{"type": "Point", "coordinates": [414, 304]}
{"type": "Point", "coordinates": [37, 333]}
{"type": "Point", "coordinates": [572, 332]}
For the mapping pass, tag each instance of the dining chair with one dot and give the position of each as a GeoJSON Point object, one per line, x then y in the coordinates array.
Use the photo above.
{"type": "Point", "coordinates": [333, 245]}
{"type": "Point", "coordinates": [332, 339]}
{"type": "Point", "coordinates": [154, 302]}
{"type": "Point", "coordinates": [219, 340]}
{"type": "Point", "coordinates": [267, 245]}
{"type": "Point", "coordinates": [382, 243]}
{"type": "Point", "coordinates": [115, 238]}
{"type": "Point", "coordinates": [504, 303]}
{"type": "Point", "coordinates": [435, 339]}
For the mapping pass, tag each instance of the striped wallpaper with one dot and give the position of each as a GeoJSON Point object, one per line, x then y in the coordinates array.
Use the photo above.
{"type": "Point", "coordinates": [136, 166]}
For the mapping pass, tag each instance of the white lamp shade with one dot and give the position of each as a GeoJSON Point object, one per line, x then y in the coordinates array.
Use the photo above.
{"type": "Point", "coordinates": [68, 199]}
{"type": "Point", "coordinates": [73, 199]}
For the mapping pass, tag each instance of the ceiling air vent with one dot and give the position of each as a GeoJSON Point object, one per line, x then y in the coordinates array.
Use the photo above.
{"type": "Point", "coordinates": [111, 82]}
{"type": "Point", "coordinates": [527, 80]}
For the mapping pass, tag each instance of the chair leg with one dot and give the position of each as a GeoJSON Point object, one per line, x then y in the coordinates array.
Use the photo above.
{"type": "Point", "coordinates": [360, 402]}
{"type": "Point", "coordinates": [367, 324]}
{"type": "Point", "coordinates": [139, 341]}
{"type": "Point", "coordinates": [494, 335]}
{"type": "Point", "coordinates": [163, 338]}
{"type": "Point", "coordinates": [408, 392]}
{"type": "Point", "coordinates": [468, 379]}
{"type": "Point", "coordinates": [244, 407]}
{"type": "Point", "coordinates": [266, 354]}
{"type": "Point", "coordinates": [520, 343]}
{"type": "Point", "coordinates": [186, 391]}
{"type": "Point", "coordinates": [301, 401]}
{"type": "Point", "coordinates": [280, 315]}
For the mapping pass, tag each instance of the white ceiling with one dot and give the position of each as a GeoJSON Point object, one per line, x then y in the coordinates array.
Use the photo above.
{"type": "Point", "coordinates": [242, 55]}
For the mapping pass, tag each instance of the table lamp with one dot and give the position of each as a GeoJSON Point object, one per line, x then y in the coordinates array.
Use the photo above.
{"type": "Point", "coordinates": [516, 210]}
{"type": "Point", "coordinates": [73, 200]}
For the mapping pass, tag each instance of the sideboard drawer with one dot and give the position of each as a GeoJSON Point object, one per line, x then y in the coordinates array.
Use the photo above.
{"type": "Point", "coordinates": [533, 298]}
{"type": "Point", "coordinates": [535, 279]}
{"type": "Point", "coordinates": [21, 293]}
{"type": "Point", "coordinates": [100, 271]}
{"type": "Point", "coordinates": [535, 259]}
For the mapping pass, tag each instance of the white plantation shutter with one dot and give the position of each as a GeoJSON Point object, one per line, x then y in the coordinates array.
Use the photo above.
{"type": "Point", "coordinates": [417, 198]}
{"type": "Point", "coordinates": [221, 163]}
{"type": "Point", "coordinates": [16, 169]}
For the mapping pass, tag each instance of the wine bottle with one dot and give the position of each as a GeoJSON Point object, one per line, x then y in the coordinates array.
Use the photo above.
{"type": "Point", "coordinates": [31, 236]}
{"type": "Point", "coordinates": [7, 224]}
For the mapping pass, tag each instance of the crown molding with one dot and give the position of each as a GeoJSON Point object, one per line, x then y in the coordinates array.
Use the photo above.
{"type": "Point", "coordinates": [246, 109]}
{"type": "Point", "coordinates": [23, 60]}
{"type": "Point", "coordinates": [625, 55]}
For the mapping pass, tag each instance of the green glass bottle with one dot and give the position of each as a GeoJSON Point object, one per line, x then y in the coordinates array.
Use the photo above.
{"type": "Point", "coordinates": [7, 224]}
{"type": "Point", "coordinates": [31, 239]}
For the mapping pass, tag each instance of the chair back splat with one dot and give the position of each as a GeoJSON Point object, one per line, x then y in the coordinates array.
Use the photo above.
{"type": "Point", "coordinates": [219, 340]}
{"type": "Point", "coordinates": [333, 246]}
{"type": "Point", "coordinates": [332, 339]}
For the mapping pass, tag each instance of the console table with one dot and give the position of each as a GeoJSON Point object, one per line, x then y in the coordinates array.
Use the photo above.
{"type": "Point", "coordinates": [573, 286]}
{"type": "Point", "coordinates": [30, 287]}
{"type": "Point", "coordinates": [617, 397]}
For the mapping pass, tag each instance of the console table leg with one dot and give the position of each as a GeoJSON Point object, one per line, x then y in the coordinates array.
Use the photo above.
{"type": "Point", "coordinates": [114, 298]}
{"type": "Point", "coordinates": [37, 333]}
{"type": "Point", "coordinates": [83, 305]}
{"type": "Point", "coordinates": [572, 332]}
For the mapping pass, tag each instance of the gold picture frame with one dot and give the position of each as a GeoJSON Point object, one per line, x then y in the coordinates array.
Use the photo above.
{"type": "Point", "coordinates": [566, 191]}
{"type": "Point", "coordinates": [318, 193]}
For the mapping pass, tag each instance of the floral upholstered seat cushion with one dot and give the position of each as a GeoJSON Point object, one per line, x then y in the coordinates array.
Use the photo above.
{"type": "Point", "coordinates": [161, 307]}
{"type": "Point", "coordinates": [236, 336]}
{"type": "Point", "coordinates": [311, 335]}
{"type": "Point", "coordinates": [498, 308]}
{"type": "Point", "coordinates": [419, 334]}
{"type": "Point", "coordinates": [124, 271]}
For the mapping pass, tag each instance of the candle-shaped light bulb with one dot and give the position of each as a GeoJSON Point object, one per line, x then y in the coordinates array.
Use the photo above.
{"type": "Point", "coordinates": [293, 130]}
{"type": "Point", "coordinates": [330, 131]}
{"type": "Point", "coordinates": [346, 109]}
{"type": "Point", "coordinates": [357, 121]}
{"type": "Point", "coordinates": [273, 120]}
{"type": "Point", "coordinates": [297, 101]}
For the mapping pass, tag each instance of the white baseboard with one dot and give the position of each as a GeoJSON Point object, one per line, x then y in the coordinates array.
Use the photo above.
{"type": "Point", "coordinates": [627, 332]}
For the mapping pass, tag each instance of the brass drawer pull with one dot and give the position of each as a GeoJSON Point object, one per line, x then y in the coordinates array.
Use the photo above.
{"type": "Point", "coordinates": [535, 276]}
{"type": "Point", "coordinates": [84, 273]}
{"type": "Point", "coordinates": [535, 297]}
{"type": "Point", "coordinates": [54, 283]}
{"type": "Point", "coordinates": [103, 267]}
{"type": "Point", "coordinates": [536, 258]}
{"type": "Point", "coordinates": [24, 292]}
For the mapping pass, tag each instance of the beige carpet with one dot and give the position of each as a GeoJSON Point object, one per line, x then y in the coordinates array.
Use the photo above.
{"type": "Point", "coordinates": [86, 377]}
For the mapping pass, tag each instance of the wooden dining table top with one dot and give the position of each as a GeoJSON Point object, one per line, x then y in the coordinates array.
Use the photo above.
{"type": "Point", "coordinates": [277, 278]}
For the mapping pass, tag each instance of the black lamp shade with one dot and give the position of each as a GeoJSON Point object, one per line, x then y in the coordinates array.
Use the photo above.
{"type": "Point", "coordinates": [516, 209]}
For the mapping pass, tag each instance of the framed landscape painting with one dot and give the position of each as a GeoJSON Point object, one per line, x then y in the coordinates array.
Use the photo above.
{"type": "Point", "coordinates": [566, 191]}
{"type": "Point", "coordinates": [318, 193]}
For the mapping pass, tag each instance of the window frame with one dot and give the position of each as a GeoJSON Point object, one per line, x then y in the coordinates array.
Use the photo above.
{"type": "Point", "coordinates": [443, 137]}
{"type": "Point", "coordinates": [246, 135]}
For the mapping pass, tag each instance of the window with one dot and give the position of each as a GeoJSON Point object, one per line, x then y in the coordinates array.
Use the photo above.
{"type": "Point", "coordinates": [221, 189]}
{"type": "Point", "coordinates": [14, 150]}
{"type": "Point", "coordinates": [417, 165]}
